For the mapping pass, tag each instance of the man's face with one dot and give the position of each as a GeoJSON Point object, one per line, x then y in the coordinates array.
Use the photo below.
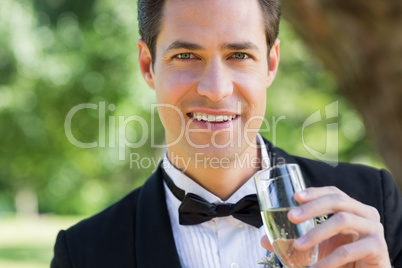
{"type": "Point", "coordinates": [210, 75]}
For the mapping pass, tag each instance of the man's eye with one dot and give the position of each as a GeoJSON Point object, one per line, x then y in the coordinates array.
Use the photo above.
{"type": "Point", "coordinates": [185, 56]}
{"type": "Point", "coordinates": [240, 55]}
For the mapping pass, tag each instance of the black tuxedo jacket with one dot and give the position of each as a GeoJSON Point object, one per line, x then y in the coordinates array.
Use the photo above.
{"type": "Point", "coordinates": [136, 231]}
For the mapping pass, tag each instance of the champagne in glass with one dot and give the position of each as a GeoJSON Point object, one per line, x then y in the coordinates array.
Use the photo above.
{"type": "Point", "coordinates": [275, 189]}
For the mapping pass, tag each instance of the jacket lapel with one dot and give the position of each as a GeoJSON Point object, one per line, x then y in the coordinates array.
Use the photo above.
{"type": "Point", "coordinates": [277, 156]}
{"type": "Point", "coordinates": [154, 242]}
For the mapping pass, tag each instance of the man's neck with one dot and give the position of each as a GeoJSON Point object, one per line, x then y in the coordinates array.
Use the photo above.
{"type": "Point", "coordinates": [223, 178]}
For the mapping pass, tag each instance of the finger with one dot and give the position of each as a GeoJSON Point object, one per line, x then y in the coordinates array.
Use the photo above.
{"type": "Point", "coordinates": [327, 247]}
{"type": "Point", "coordinates": [266, 244]}
{"type": "Point", "coordinates": [331, 203]}
{"type": "Point", "coordinates": [340, 223]}
{"type": "Point", "coordinates": [312, 193]}
{"type": "Point", "coordinates": [366, 250]}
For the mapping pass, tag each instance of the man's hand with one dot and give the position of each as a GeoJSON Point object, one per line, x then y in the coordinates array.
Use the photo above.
{"type": "Point", "coordinates": [352, 237]}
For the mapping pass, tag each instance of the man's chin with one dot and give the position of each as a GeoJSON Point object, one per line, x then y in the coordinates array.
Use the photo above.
{"type": "Point", "coordinates": [218, 153]}
{"type": "Point", "coordinates": [226, 147]}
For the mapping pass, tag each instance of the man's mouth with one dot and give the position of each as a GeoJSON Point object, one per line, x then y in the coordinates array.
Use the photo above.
{"type": "Point", "coordinates": [212, 118]}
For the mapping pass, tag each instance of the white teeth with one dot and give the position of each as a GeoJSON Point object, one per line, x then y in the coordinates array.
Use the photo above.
{"type": "Point", "coordinates": [219, 118]}
{"type": "Point", "coordinates": [212, 118]}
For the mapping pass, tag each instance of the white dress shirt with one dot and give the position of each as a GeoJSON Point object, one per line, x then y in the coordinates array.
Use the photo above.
{"type": "Point", "coordinates": [223, 242]}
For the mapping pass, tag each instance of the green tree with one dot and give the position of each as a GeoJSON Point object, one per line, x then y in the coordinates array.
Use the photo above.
{"type": "Point", "coordinates": [53, 58]}
{"type": "Point", "coordinates": [55, 55]}
{"type": "Point", "coordinates": [360, 43]}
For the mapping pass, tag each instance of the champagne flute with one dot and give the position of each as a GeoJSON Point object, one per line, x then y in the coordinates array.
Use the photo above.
{"type": "Point", "coordinates": [276, 187]}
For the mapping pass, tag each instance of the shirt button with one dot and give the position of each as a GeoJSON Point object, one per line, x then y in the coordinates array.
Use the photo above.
{"type": "Point", "coordinates": [234, 265]}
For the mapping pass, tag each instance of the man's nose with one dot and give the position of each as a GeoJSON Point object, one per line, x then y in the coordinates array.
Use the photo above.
{"type": "Point", "coordinates": [215, 82]}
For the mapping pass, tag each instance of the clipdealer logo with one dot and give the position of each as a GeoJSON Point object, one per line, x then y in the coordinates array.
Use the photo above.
{"type": "Point", "coordinates": [330, 156]}
{"type": "Point", "coordinates": [116, 125]}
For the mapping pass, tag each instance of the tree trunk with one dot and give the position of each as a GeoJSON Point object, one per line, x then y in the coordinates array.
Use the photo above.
{"type": "Point", "coordinates": [360, 42]}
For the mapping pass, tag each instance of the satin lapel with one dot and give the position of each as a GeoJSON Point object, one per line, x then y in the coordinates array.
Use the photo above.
{"type": "Point", "coordinates": [154, 242]}
{"type": "Point", "coordinates": [279, 157]}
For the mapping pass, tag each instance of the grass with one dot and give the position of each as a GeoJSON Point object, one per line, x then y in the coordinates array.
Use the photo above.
{"type": "Point", "coordinates": [27, 242]}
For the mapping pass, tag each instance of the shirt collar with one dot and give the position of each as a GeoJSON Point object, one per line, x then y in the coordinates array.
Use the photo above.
{"type": "Point", "coordinates": [182, 181]}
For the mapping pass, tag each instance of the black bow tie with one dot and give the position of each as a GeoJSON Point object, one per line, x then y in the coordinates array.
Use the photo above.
{"type": "Point", "coordinates": [195, 209]}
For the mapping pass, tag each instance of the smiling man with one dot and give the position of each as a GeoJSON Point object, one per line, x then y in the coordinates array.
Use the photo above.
{"type": "Point", "coordinates": [210, 62]}
{"type": "Point", "coordinates": [214, 69]}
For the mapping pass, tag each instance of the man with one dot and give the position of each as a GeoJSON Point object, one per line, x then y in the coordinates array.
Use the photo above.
{"type": "Point", "coordinates": [210, 63]}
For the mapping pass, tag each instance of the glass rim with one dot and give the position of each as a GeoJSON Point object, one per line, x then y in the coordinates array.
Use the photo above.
{"type": "Point", "coordinates": [257, 174]}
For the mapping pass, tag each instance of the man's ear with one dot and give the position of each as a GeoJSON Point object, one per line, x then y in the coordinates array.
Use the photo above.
{"type": "Point", "coordinates": [145, 61]}
{"type": "Point", "coordinates": [273, 62]}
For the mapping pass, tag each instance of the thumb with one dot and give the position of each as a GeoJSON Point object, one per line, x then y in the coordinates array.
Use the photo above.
{"type": "Point", "coordinates": [266, 244]}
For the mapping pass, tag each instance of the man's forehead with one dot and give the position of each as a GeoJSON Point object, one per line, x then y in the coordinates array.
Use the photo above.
{"type": "Point", "coordinates": [233, 11]}
{"type": "Point", "coordinates": [204, 17]}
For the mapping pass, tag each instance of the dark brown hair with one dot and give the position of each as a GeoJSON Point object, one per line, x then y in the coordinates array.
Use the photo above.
{"type": "Point", "coordinates": [150, 14]}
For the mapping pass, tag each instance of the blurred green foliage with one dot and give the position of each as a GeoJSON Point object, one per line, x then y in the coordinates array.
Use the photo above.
{"type": "Point", "coordinates": [55, 55]}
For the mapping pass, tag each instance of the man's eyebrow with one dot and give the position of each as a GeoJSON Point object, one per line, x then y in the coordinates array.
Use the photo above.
{"type": "Point", "coordinates": [228, 46]}
{"type": "Point", "coordinates": [240, 46]}
{"type": "Point", "coordinates": [184, 45]}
